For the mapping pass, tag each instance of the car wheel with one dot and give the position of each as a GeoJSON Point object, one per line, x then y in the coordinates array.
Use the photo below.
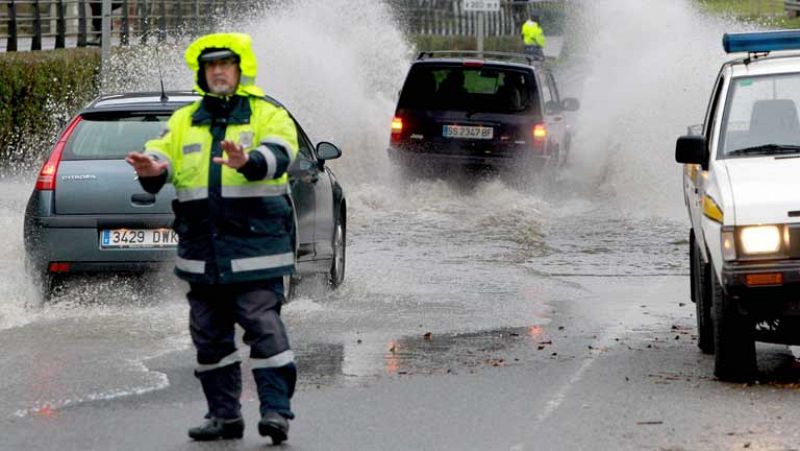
{"type": "Point", "coordinates": [565, 158]}
{"type": "Point", "coordinates": [734, 338]}
{"type": "Point", "coordinates": [289, 285]}
{"type": "Point", "coordinates": [336, 276]}
{"type": "Point", "coordinates": [692, 268]}
{"type": "Point", "coordinates": [701, 297]}
{"type": "Point", "coordinates": [44, 282]}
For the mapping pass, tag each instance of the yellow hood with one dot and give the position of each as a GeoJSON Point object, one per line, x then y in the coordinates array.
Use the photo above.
{"type": "Point", "coordinates": [238, 43]}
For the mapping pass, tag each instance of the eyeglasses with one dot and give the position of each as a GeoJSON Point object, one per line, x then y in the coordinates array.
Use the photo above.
{"type": "Point", "coordinates": [225, 63]}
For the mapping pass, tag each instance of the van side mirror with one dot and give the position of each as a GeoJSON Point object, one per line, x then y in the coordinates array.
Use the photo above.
{"type": "Point", "coordinates": [327, 151]}
{"type": "Point", "coordinates": [692, 149]}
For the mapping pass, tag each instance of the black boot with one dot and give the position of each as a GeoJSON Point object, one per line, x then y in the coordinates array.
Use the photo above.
{"type": "Point", "coordinates": [216, 429]}
{"type": "Point", "coordinates": [275, 389]}
{"type": "Point", "coordinates": [275, 426]}
{"type": "Point", "coordinates": [222, 387]}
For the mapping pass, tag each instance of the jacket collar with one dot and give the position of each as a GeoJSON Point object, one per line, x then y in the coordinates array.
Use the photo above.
{"type": "Point", "coordinates": [227, 110]}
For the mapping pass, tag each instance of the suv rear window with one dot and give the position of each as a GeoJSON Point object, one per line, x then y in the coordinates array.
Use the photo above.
{"type": "Point", "coordinates": [110, 137]}
{"type": "Point", "coordinates": [472, 89]}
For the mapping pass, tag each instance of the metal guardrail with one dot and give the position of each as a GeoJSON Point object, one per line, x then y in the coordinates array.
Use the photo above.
{"type": "Point", "coordinates": [448, 17]}
{"type": "Point", "coordinates": [78, 22]}
{"type": "Point", "coordinates": [36, 24]}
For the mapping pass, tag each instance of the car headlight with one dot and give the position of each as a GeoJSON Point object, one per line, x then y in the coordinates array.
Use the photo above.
{"type": "Point", "coordinates": [755, 242]}
{"type": "Point", "coordinates": [760, 240]}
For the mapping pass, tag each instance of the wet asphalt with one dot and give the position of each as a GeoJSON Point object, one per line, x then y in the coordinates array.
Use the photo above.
{"type": "Point", "coordinates": [567, 327]}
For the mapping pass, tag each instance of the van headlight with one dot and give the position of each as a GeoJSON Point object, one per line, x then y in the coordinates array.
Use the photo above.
{"type": "Point", "coordinates": [755, 242]}
{"type": "Point", "coordinates": [760, 240]}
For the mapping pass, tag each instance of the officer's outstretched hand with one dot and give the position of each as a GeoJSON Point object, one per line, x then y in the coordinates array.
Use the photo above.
{"type": "Point", "coordinates": [237, 157]}
{"type": "Point", "coordinates": [144, 165]}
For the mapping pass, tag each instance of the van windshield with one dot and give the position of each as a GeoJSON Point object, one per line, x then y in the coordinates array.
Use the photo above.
{"type": "Point", "coordinates": [761, 116]}
{"type": "Point", "coordinates": [111, 137]}
{"type": "Point", "coordinates": [470, 89]}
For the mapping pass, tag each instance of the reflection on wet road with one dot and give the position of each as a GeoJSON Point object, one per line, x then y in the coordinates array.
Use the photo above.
{"type": "Point", "coordinates": [440, 279]}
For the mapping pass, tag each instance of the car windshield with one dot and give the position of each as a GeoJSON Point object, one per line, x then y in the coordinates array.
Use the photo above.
{"type": "Point", "coordinates": [761, 116]}
{"type": "Point", "coordinates": [111, 137]}
{"type": "Point", "coordinates": [470, 89]}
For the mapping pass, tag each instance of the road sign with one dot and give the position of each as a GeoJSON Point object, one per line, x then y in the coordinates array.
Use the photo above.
{"type": "Point", "coordinates": [491, 6]}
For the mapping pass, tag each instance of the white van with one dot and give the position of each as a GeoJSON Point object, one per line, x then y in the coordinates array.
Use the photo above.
{"type": "Point", "coordinates": [742, 190]}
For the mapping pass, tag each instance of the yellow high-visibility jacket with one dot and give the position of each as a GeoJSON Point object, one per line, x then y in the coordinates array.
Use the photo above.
{"type": "Point", "coordinates": [532, 34]}
{"type": "Point", "coordinates": [233, 225]}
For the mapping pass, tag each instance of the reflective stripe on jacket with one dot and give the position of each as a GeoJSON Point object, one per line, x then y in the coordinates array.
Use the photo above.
{"type": "Point", "coordinates": [231, 229]}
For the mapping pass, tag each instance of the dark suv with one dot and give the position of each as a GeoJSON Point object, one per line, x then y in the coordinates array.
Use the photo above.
{"type": "Point", "coordinates": [461, 109]}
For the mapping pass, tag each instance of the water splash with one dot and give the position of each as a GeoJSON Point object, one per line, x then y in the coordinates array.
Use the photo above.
{"type": "Point", "coordinates": [648, 68]}
{"type": "Point", "coordinates": [337, 66]}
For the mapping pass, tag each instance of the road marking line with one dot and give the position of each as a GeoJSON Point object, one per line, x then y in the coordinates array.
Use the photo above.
{"type": "Point", "coordinates": [605, 341]}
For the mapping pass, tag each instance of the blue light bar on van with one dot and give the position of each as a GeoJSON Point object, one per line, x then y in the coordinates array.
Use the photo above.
{"type": "Point", "coordinates": [761, 41]}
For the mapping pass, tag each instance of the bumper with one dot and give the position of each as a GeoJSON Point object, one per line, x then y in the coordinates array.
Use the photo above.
{"type": "Point", "coordinates": [77, 241]}
{"type": "Point", "coordinates": [444, 160]}
{"type": "Point", "coordinates": [776, 299]}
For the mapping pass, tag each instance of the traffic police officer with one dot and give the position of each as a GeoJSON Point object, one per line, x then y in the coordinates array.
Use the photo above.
{"type": "Point", "coordinates": [533, 37]}
{"type": "Point", "coordinates": [227, 157]}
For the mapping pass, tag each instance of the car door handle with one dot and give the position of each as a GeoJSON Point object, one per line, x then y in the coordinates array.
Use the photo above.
{"type": "Point", "coordinates": [143, 199]}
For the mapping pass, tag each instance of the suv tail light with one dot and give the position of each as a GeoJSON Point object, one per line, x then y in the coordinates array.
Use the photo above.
{"type": "Point", "coordinates": [397, 128]}
{"type": "Point", "coordinates": [539, 133]}
{"type": "Point", "coordinates": [47, 175]}
{"type": "Point", "coordinates": [59, 267]}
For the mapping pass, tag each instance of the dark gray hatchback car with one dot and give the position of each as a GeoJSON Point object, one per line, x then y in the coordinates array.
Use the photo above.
{"type": "Point", "coordinates": [88, 213]}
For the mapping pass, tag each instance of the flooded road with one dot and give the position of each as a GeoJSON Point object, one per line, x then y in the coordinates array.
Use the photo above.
{"type": "Point", "coordinates": [474, 315]}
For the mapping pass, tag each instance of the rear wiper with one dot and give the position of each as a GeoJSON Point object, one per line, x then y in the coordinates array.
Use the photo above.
{"type": "Point", "coordinates": [766, 149]}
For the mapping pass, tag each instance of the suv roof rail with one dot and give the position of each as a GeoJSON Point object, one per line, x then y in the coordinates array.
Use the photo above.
{"type": "Point", "coordinates": [529, 59]}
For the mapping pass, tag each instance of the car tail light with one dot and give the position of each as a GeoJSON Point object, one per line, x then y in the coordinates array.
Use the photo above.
{"type": "Point", "coordinates": [539, 133]}
{"type": "Point", "coordinates": [59, 267]}
{"type": "Point", "coordinates": [397, 128]}
{"type": "Point", "coordinates": [47, 175]}
{"type": "Point", "coordinates": [472, 63]}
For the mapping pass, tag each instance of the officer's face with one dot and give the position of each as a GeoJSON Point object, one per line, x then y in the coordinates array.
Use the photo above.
{"type": "Point", "coordinates": [222, 76]}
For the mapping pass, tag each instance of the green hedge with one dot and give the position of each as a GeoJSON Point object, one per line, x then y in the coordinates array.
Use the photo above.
{"type": "Point", "coordinates": [39, 92]}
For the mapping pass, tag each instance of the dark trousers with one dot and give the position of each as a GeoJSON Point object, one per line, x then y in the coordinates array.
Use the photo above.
{"type": "Point", "coordinates": [534, 51]}
{"type": "Point", "coordinates": [256, 307]}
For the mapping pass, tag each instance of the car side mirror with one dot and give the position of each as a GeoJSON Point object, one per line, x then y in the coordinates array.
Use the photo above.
{"type": "Point", "coordinates": [692, 149]}
{"type": "Point", "coordinates": [570, 104]}
{"type": "Point", "coordinates": [327, 151]}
